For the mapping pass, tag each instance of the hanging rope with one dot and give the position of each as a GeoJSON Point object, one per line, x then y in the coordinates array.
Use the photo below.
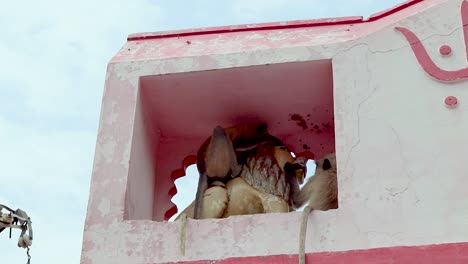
{"type": "Point", "coordinates": [29, 256]}
{"type": "Point", "coordinates": [18, 219]}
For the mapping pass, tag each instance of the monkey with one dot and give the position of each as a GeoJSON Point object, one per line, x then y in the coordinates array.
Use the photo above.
{"type": "Point", "coordinates": [219, 198]}
{"type": "Point", "coordinates": [261, 186]}
{"type": "Point", "coordinates": [217, 158]}
{"type": "Point", "coordinates": [215, 200]}
{"type": "Point", "coordinates": [320, 193]}
{"type": "Point", "coordinates": [246, 150]}
{"type": "Point", "coordinates": [221, 161]}
{"type": "Point", "coordinates": [241, 171]}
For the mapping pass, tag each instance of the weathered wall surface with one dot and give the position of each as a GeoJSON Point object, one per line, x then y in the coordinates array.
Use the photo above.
{"type": "Point", "coordinates": [399, 147]}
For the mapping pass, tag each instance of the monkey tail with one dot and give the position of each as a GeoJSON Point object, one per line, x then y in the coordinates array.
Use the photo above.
{"type": "Point", "coordinates": [183, 225]}
{"type": "Point", "coordinates": [302, 234]}
{"type": "Point", "coordinates": [202, 186]}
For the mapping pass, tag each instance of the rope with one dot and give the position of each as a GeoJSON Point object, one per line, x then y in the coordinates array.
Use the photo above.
{"type": "Point", "coordinates": [29, 256]}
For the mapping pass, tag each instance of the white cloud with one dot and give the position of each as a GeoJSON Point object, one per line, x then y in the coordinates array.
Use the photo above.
{"type": "Point", "coordinates": [52, 69]}
{"type": "Point", "coordinates": [46, 173]}
{"type": "Point", "coordinates": [54, 56]}
{"type": "Point", "coordinates": [57, 50]}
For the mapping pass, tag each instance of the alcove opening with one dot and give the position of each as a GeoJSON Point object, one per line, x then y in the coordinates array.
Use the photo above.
{"type": "Point", "coordinates": [176, 112]}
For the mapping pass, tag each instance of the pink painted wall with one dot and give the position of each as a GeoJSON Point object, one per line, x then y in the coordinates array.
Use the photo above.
{"type": "Point", "coordinates": [141, 181]}
{"type": "Point", "coordinates": [401, 181]}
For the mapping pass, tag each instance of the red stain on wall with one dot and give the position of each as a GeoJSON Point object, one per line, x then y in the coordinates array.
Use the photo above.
{"type": "Point", "coordinates": [299, 120]}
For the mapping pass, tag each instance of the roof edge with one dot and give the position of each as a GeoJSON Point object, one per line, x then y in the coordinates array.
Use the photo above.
{"type": "Point", "coordinates": [273, 25]}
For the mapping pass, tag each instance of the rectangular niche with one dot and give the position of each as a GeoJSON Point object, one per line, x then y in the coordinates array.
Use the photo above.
{"type": "Point", "coordinates": [175, 113]}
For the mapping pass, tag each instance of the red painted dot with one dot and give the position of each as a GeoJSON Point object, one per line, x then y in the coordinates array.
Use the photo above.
{"type": "Point", "coordinates": [451, 101]}
{"type": "Point", "coordinates": [445, 50]}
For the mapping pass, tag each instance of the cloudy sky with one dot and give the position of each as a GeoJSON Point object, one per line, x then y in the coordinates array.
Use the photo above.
{"type": "Point", "coordinates": [53, 61]}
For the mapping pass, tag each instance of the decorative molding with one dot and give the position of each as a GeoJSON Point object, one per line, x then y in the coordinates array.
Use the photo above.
{"type": "Point", "coordinates": [425, 60]}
